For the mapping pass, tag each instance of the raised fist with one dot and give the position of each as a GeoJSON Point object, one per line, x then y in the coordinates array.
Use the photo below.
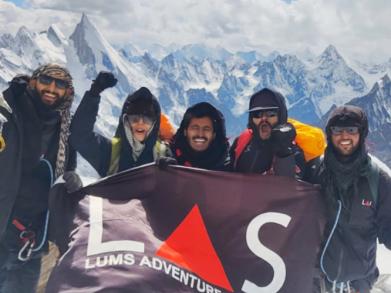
{"type": "Point", "coordinates": [103, 80]}
{"type": "Point", "coordinates": [282, 138]}
{"type": "Point", "coordinates": [18, 84]}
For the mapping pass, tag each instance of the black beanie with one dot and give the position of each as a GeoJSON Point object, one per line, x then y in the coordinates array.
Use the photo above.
{"type": "Point", "coordinates": [141, 102]}
{"type": "Point", "coordinates": [348, 115]}
{"type": "Point", "coordinates": [263, 100]}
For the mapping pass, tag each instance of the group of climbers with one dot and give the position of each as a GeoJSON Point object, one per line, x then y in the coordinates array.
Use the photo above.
{"type": "Point", "coordinates": [40, 140]}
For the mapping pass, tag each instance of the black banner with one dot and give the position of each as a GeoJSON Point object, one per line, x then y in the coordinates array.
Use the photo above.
{"type": "Point", "coordinates": [189, 230]}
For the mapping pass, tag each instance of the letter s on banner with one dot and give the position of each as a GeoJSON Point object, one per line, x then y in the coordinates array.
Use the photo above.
{"type": "Point", "coordinates": [95, 244]}
{"type": "Point", "coordinates": [263, 252]}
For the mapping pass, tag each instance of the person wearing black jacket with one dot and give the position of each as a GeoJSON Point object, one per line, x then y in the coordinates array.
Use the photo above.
{"type": "Point", "coordinates": [201, 140]}
{"type": "Point", "coordinates": [136, 140]}
{"type": "Point", "coordinates": [267, 145]}
{"type": "Point", "coordinates": [36, 153]}
{"type": "Point", "coordinates": [357, 193]}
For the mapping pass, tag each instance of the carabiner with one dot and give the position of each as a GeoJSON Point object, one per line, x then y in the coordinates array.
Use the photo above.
{"type": "Point", "coordinates": [27, 246]}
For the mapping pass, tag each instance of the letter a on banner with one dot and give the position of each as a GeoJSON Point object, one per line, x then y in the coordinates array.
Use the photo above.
{"type": "Point", "coordinates": [190, 247]}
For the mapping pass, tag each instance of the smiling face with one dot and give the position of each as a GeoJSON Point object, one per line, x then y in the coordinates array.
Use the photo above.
{"type": "Point", "coordinates": [345, 141]}
{"type": "Point", "coordinates": [200, 133]}
{"type": "Point", "coordinates": [50, 89]}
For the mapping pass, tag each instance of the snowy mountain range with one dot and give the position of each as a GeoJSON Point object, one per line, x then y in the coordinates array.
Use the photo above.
{"type": "Point", "coordinates": [181, 76]}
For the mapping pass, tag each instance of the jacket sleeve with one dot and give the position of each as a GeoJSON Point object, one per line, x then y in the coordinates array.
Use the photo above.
{"type": "Point", "coordinates": [291, 166]}
{"type": "Point", "coordinates": [384, 210]}
{"type": "Point", "coordinates": [95, 148]}
{"type": "Point", "coordinates": [72, 160]}
{"type": "Point", "coordinates": [312, 170]}
{"type": "Point", "coordinates": [10, 163]}
{"type": "Point", "coordinates": [229, 163]}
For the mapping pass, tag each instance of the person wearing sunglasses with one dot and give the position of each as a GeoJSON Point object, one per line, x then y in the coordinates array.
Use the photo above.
{"type": "Point", "coordinates": [136, 139]}
{"type": "Point", "coordinates": [267, 145]}
{"type": "Point", "coordinates": [36, 153]}
{"type": "Point", "coordinates": [357, 194]}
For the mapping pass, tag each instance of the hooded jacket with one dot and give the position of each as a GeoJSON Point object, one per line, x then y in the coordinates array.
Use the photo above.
{"type": "Point", "coordinates": [214, 157]}
{"type": "Point", "coordinates": [109, 156]}
{"type": "Point", "coordinates": [30, 161]}
{"type": "Point", "coordinates": [357, 193]}
{"type": "Point", "coordinates": [250, 154]}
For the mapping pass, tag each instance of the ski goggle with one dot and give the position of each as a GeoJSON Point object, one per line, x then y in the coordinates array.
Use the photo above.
{"type": "Point", "coordinates": [134, 118]}
{"type": "Point", "coordinates": [47, 80]}
{"type": "Point", "coordinates": [266, 113]}
{"type": "Point", "coordinates": [337, 130]}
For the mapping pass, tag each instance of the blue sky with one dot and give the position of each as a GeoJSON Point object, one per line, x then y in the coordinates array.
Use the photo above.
{"type": "Point", "coordinates": [17, 2]}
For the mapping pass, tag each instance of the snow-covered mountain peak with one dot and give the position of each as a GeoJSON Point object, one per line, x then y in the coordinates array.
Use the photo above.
{"type": "Point", "coordinates": [290, 61]}
{"type": "Point", "coordinates": [85, 22]}
{"type": "Point", "coordinates": [385, 81]}
{"type": "Point", "coordinates": [330, 58]}
{"type": "Point", "coordinates": [24, 32]}
{"type": "Point", "coordinates": [200, 52]}
{"type": "Point", "coordinates": [189, 74]}
{"type": "Point", "coordinates": [24, 39]}
{"type": "Point", "coordinates": [85, 30]}
{"type": "Point", "coordinates": [330, 54]}
{"type": "Point", "coordinates": [381, 85]}
{"type": "Point", "coordinates": [92, 49]}
{"type": "Point", "coordinates": [6, 41]}
{"type": "Point", "coordinates": [55, 35]}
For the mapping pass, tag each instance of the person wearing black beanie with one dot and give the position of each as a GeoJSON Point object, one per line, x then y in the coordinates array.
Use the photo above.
{"type": "Point", "coordinates": [357, 193]}
{"type": "Point", "coordinates": [267, 145]}
{"type": "Point", "coordinates": [135, 142]}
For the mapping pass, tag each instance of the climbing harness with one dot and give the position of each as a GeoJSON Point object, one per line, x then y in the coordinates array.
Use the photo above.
{"type": "Point", "coordinates": [28, 237]}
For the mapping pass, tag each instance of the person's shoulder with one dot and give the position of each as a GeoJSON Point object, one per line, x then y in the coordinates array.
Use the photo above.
{"type": "Point", "coordinates": [377, 164]}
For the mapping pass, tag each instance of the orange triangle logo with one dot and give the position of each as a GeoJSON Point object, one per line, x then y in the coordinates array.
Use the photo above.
{"type": "Point", "coordinates": [189, 247]}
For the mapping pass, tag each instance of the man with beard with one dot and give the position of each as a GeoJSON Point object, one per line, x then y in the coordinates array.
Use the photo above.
{"type": "Point", "coordinates": [35, 154]}
{"type": "Point", "coordinates": [358, 199]}
{"type": "Point", "coordinates": [267, 145]}
{"type": "Point", "coordinates": [201, 140]}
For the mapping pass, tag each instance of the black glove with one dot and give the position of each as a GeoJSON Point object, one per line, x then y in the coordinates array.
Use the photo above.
{"type": "Point", "coordinates": [164, 162]}
{"type": "Point", "coordinates": [282, 138]}
{"type": "Point", "coordinates": [18, 84]}
{"type": "Point", "coordinates": [72, 181]}
{"type": "Point", "coordinates": [103, 80]}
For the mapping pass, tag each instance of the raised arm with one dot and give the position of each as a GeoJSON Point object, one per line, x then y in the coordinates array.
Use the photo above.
{"type": "Point", "coordinates": [95, 148]}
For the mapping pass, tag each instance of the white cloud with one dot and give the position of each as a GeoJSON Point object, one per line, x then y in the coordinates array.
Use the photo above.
{"type": "Point", "coordinates": [359, 29]}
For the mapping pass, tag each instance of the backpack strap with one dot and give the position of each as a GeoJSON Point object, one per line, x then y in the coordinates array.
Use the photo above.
{"type": "Point", "coordinates": [243, 140]}
{"type": "Point", "coordinates": [161, 149]}
{"type": "Point", "coordinates": [115, 152]}
{"type": "Point", "coordinates": [369, 184]}
{"type": "Point", "coordinates": [373, 180]}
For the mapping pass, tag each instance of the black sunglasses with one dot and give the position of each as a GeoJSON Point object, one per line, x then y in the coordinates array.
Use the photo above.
{"type": "Point", "coordinates": [267, 113]}
{"type": "Point", "coordinates": [46, 80]}
{"type": "Point", "coordinates": [337, 130]}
